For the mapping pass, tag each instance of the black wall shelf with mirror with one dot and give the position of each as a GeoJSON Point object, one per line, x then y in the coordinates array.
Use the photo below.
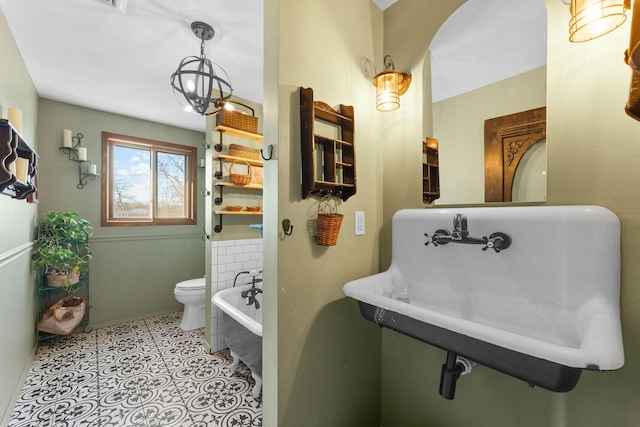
{"type": "Point", "coordinates": [18, 164]}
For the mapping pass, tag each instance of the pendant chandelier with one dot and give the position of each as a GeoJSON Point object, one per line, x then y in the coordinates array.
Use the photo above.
{"type": "Point", "coordinates": [197, 77]}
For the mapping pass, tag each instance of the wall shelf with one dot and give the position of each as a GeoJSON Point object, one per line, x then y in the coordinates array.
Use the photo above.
{"type": "Point", "coordinates": [18, 164]}
{"type": "Point", "coordinates": [218, 227]}
{"type": "Point", "coordinates": [430, 171]}
{"type": "Point", "coordinates": [73, 151]}
{"type": "Point", "coordinates": [237, 213]}
{"type": "Point", "coordinates": [237, 133]}
{"type": "Point", "coordinates": [218, 174]}
{"type": "Point", "coordinates": [328, 164]}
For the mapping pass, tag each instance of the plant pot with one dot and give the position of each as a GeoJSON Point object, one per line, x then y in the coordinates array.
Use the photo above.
{"type": "Point", "coordinates": [56, 280]}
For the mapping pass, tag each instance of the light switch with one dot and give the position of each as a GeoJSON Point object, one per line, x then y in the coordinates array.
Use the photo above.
{"type": "Point", "coordinates": [359, 223]}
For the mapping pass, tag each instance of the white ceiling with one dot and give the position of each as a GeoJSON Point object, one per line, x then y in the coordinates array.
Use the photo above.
{"type": "Point", "coordinates": [86, 53]}
{"type": "Point", "coordinates": [89, 54]}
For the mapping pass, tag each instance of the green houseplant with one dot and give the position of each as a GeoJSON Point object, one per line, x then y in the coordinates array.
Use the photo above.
{"type": "Point", "coordinates": [61, 248]}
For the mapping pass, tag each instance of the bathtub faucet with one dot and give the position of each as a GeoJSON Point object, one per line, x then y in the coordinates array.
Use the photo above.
{"type": "Point", "coordinates": [460, 234]}
{"type": "Point", "coordinates": [251, 295]}
{"type": "Point", "coordinates": [253, 273]}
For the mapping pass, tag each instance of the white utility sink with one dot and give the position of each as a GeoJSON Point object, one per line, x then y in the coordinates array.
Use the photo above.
{"type": "Point", "coordinates": [530, 291]}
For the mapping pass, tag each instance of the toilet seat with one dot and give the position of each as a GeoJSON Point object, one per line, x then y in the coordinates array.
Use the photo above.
{"type": "Point", "coordinates": [191, 285]}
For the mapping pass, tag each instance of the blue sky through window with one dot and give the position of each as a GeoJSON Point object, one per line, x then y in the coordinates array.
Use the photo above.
{"type": "Point", "coordinates": [132, 184]}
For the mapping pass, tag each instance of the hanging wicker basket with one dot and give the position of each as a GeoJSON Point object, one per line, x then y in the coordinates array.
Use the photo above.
{"type": "Point", "coordinates": [329, 222]}
{"type": "Point", "coordinates": [237, 178]}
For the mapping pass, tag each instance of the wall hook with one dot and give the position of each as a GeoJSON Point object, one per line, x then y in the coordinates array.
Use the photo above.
{"type": "Point", "coordinates": [205, 236]}
{"type": "Point", "coordinates": [205, 192]}
{"type": "Point", "coordinates": [287, 227]}
{"type": "Point", "coordinates": [270, 150]}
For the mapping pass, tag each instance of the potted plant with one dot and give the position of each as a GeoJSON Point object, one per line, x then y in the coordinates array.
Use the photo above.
{"type": "Point", "coordinates": [62, 248]}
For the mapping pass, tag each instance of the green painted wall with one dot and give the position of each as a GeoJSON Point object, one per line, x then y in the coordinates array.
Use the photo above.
{"type": "Point", "coordinates": [592, 159]}
{"type": "Point", "coordinates": [17, 284]}
{"type": "Point", "coordinates": [134, 269]}
{"type": "Point", "coordinates": [326, 355]}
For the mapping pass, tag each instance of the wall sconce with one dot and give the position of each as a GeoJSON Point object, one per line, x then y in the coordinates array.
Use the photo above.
{"type": "Point", "coordinates": [390, 84]}
{"type": "Point", "coordinates": [72, 146]}
{"type": "Point", "coordinates": [593, 18]}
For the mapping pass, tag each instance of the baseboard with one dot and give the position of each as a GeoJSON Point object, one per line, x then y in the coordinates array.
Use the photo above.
{"type": "Point", "coordinates": [133, 318]}
{"type": "Point", "coordinates": [16, 393]}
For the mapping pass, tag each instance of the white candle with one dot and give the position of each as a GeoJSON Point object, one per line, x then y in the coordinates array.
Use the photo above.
{"type": "Point", "coordinates": [22, 168]}
{"type": "Point", "coordinates": [82, 153]}
{"type": "Point", "coordinates": [15, 117]}
{"type": "Point", "coordinates": [93, 170]}
{"type": "Point", "coordinates": [66, 140]}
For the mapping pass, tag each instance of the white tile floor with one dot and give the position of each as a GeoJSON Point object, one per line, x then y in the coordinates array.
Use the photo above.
{"type": "Point", "coordinates": [147, 373]}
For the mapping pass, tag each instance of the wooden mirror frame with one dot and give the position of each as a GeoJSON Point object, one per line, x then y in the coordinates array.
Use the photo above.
{"type": "Point", "coordinates": [506, 140]}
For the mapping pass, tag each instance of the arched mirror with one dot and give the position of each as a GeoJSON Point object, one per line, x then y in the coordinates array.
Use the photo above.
{"type": "Point", "coordinates": [487, 61]}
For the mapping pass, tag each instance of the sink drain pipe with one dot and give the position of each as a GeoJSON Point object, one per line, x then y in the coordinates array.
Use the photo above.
{"type": "Point", "coordinates": [451, 371]}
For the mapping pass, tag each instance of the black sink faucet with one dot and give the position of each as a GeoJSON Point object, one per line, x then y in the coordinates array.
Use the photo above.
{"type": "Point", "coordinates": [460, 234]}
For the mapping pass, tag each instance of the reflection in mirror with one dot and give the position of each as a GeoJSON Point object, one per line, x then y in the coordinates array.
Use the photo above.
{"type": "Point", "coordinates": [530, 180]}
{"type": "Point", "coordinates": [507, 140]}
{"type": "Point", "coordinates": [487, 60]}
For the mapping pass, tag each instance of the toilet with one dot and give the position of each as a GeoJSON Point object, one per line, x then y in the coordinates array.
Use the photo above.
{"type": "Point", "coordinates": [191, 294]}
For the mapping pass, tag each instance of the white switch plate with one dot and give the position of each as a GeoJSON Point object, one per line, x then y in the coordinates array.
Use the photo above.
{"type": "Point", "coordinates": [359, 223]}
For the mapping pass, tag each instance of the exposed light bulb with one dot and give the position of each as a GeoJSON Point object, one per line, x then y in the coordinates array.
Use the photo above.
{"type": "Point", "coordinates": [228, 107]}
{"type": "Point", "coordinates": [190, 86]}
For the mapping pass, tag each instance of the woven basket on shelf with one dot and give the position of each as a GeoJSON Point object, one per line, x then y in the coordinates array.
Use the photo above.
{"type": "Point", "coordinates": [238, 119]}
{"type": "Point", "coordinates": [329, 222]}
{"type": "Point", "coordinates": [238, 178]}
{"type": "Point", "coordinates": [237, 150]}
{"type": "Point", "coordinates": [256, 175]}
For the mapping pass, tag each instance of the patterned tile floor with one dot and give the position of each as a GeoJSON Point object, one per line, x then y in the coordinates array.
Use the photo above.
{"type": "Point", "coordinates": [147, 373]}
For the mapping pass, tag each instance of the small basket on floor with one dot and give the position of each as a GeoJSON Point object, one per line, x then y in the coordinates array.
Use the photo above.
{"type": "Point", "coordinates": [329, 222]}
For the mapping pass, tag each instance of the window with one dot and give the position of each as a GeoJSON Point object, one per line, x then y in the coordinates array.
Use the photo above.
{"type": "Point", "coordinates": [146, 182]}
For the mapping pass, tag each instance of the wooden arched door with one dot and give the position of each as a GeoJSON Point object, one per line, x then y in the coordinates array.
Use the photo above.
{"type": "Point", "coordinates": [506, 140]}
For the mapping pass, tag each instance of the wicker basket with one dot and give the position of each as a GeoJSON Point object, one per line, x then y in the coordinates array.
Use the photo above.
{"type": "Point", "coordinates": [237, 150]}
{"type": "Point", "coordinates": [237, 178]}
{"type": "Point", "coordinates": [329, 222]}
{"type": "Point", "coordinates": [256, 176]}
{"type": "Point", "coordinates": [238, 119]}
